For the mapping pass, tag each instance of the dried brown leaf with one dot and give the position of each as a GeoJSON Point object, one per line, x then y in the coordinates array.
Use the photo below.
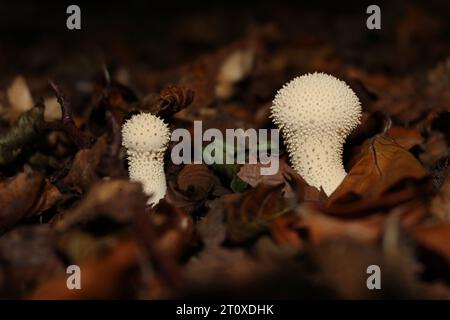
{"type": "Point", "coordinates": [85, 165]}
{"type": "Point", "coordinates": [195, 184]}
{"type": "Point", "coordinates": [435, 238]}
{"type": "Point", "coordinates": [405, 137]}
{"type": "Point", "coordinates": [383, 164]}
{"type": "Point", "coordinates": [18, 196]}
{"type": "Point", "coordinates": [294, 185]}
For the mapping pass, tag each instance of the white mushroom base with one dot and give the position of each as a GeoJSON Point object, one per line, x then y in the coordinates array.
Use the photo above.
{"type": "Point", "coordinates": [318, 160]}
{"type": "Point", "coordinates": [148, 169]}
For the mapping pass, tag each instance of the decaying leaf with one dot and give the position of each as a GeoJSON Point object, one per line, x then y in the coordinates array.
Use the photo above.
{"type": "Point", "coordinates": [249, 214]}
{"type": "Point", "coordinates": [294, 185]}
{"type": "Point", "coordinates": [18, 195]}
{"type": "Point", "coordinates": [224, 230]}
{"type": "Point", "coordinates": [435, 238]}
{"type": "Point", "coordinates": [382, 165]}
{"type": "Point", "coordinates": [84, 167]}
{"type": "Point", "coordinates": [405, 137]}
{"type": "Point", "coordinates": [194, 186]}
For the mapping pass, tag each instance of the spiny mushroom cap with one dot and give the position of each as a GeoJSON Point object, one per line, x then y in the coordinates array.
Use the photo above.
{"type": "Point", "coordinates": [145, 132]}
{"type": "Point", "coordinates": [314, 104]}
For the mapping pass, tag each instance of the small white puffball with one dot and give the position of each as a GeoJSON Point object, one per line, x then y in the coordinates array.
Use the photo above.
{"type": "Point", "coordinates": [146, 137]}
{"type": "Point", "coordinates": [145, 132]}
{"type": "Point", "coordinates": [316, 112]}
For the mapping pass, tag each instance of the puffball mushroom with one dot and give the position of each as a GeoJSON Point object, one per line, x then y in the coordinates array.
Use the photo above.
{"type": "Point", "coordinates": [316, 112]}
{"type": "Point", "coordinates": [145, 137]}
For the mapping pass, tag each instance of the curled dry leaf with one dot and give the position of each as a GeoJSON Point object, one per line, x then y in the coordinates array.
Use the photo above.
{"type": "Point", "coordinates": [173, 99]}
{"type": "Point", "coordinates": [18, 196]}
{"type": "Point", "coordinates": [49, 197]}
{"type": "Point", "coordinates": [170, 101]}
{"type": "Point", "coordinates": [382, 165]}
{"type": "Point", "coordinates": [251, 173]}
{"type": "Point", "coordinates": [195, 184]}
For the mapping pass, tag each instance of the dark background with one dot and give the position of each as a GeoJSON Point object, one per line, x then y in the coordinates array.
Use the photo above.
{"type": "Point", "coordinates": [159, 34]}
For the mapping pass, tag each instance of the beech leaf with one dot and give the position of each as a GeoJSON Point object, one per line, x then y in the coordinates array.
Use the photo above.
{"type": "Point", "coordinates": [382, 165]}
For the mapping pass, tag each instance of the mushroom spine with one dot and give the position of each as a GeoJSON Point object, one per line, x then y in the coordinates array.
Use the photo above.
{"type": "Point", "coordinates": [316, 112]}
{"type": "Point", "coordinates": [145, 137]}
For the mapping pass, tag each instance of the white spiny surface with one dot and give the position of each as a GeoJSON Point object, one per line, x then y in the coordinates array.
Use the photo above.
{"type": "Point", "coordinates": [316, 113]}
{"type": "Point", "coordinates": [146, 136]}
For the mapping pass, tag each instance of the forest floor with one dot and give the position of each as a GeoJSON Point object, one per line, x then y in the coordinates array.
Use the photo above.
{"type": "Point", "coordinates": [224, 231]}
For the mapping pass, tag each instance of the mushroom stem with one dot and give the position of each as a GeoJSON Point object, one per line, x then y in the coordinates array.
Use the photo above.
{"type": "Point", "coordinates": [318, 160]}
{"type": "Point", "coordinates": [148, 169]}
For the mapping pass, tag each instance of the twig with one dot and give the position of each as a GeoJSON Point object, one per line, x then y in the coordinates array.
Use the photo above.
{"type": "Point", "coordinates": [66, 124]}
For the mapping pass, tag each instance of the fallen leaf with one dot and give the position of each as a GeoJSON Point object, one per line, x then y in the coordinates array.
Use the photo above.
{"type": "Point", "coordinates": [18, 195]}
{"type": "Point", "coordinates": [85, 165]}
{"type": "Point", "coordinates": [405, 137]}
{"type": "Point", "coordinates": [49, 197]}
{"type": "Point", "coordinates": [195, 184]}
{"type": "Point", "coordinates": [435, 238]}
{"type": "Point", "coordinates": [249, 213]}
{"type": "Point", "coordinates": [382, 165]}
{"type": "Point", "coordinates": [294, 185]}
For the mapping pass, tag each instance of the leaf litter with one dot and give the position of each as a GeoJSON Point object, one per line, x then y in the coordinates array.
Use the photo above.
{"type": "Point", "coordinates": [228, 231]}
